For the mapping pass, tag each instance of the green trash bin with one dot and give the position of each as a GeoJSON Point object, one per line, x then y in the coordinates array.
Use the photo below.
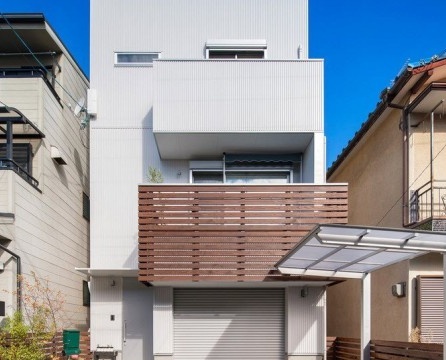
{"type": "Point", "coordinates": [71, 339]}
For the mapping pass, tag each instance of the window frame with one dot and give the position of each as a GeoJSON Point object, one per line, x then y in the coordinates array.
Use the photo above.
{"type": "Point", "coordinates": [135, 64]}
{"type": "Point", "coordinates": [237, 45]}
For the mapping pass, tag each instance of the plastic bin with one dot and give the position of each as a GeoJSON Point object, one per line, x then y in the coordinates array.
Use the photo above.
{"type": "Point", "coordinates": [71, 339]}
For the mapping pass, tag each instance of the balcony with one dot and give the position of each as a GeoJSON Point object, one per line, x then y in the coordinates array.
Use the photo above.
{"type": "Point", "coordinates": [228, 232]}
{"type": "Point", "coordinates": [207, 107]}
{"type": "Point", "coordinates": [428, 206]}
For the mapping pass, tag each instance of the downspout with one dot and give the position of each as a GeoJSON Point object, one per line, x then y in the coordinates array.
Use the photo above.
{"type": "Point", "coordinates": [19, 273]}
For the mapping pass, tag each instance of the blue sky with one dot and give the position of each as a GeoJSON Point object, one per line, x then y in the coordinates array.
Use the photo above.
{"type": "Point", "coordinates": [365, 43]}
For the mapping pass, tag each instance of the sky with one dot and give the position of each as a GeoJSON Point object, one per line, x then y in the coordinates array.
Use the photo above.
{"type": "Point", "coordinates": [365, 43]}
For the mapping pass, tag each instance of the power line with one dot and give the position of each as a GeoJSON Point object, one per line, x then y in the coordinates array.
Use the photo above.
{"type": "Point", "coordinates": [53, 77]}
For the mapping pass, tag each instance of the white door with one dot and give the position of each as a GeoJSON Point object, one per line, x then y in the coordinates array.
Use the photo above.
{"type": "Point", "coordinates": [224, 324]}
{"type": "Point", "coordinates": [137, 317]}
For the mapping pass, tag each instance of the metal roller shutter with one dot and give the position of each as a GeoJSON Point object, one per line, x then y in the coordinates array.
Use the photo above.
{"type": "Point", "coordinates": [229, 324]}
{"type": "Point", "coordinates": [430, 311]}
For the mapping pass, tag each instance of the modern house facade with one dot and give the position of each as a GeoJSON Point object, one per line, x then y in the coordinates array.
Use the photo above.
{"type": "Point", "coordinates": [208, 166]}
{"type": "Point", "coordinates": [395, 169]}
{"type": "Point", "coordinates": [44, 174]}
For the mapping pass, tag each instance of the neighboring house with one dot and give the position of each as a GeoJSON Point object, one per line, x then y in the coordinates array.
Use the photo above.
{"type": "Point", "coordinates": [220, 98]}
{"type": "Point", "coordinates": [395, 168]}
{"type": "Point", "coordinates": [44, 185]}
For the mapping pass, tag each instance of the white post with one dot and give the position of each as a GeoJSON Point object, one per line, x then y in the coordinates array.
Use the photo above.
{"type": "Point", "coordinates": [365, 317]}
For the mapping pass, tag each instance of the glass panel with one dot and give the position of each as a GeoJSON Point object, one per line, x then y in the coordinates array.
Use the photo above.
{"type": "Point", "coordinates": [236, 54]}
{"type": "Point", "coordinates": [136, 58]}
{"type": "Point", "coordinates": [21, 154]}
{"type": "Point", "coordinates": [260, 177]}
{"type": "Point", "coordinates": [207, 177]}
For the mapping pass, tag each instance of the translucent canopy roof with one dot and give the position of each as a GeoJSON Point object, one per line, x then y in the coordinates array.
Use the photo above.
{"type": "Point", "coordinates": [340, 251]}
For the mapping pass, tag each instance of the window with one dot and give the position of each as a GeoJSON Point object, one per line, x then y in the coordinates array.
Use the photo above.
{"type": "Point", "coordinates": [236, 54]}
{"type": "Point", "coordinates": [21, 154]}
{"type": "Point", "coordinates": [85, 206]}
{"type": "Point", "coordinates": [251, 176]}
{"type": "Point", "coordinates": [236, 49]}
{"type": "Point", "coordinates": [135, 59]}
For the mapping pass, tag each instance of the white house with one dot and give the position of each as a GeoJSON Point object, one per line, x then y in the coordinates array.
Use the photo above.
{"type": "Point", "coordinates": [221, 99]}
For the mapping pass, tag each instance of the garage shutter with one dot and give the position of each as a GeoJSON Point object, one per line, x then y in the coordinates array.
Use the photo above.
{"type": "Point", "coordinates": [430, 310]}
{"type": "Point", "coordinates": [229, 324]}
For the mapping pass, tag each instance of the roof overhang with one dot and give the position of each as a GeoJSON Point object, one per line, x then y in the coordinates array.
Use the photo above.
{"type": "Point", "coordinates": [339, 251]}
{"type": "Point", "coordinates": [429, 99]}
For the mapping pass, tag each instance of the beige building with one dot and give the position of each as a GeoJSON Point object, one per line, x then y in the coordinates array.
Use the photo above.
{"type": "Point", "coordinates": [395, 168]}
{"type": "Point", "coordinates": [44, 184]}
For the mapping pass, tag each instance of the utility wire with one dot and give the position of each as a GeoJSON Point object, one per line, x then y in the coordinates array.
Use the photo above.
{"type": "Point", "coordinates": [413, 182]}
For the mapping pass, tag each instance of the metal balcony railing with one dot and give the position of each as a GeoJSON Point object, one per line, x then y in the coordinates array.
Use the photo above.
{"type": "Point", "coordinates": [7, 164]}
{"type": "Point", "coordinates": [428, 201]}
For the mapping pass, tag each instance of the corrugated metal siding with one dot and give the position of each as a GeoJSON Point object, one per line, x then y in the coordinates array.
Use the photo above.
{"type": "Point", "coordinates": [305, 321]}
{"type": "Point", "coordinates": [119, 161]}
{"type": "Point", "coordinates": [430, 308]}
{"type": "Point", "coordinates": [106, 300]}
{"type": "Point", "coordinates": [180, 28]}
{"type": "Point", "coordinates": [238, 96]}
{"type": "Point", "coordinates": [163, 320]}
{"type": "Point", "coordinates": [229, 324]}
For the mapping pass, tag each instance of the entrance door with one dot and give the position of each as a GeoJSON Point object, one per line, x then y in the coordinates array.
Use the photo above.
{"type": "Point", "coordinates": [137, 316]}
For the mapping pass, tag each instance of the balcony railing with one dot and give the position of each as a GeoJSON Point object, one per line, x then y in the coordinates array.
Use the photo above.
{"type": "Point", "coordinates": [228, 232]}
{"type": "Point", "coordinates": [428, 202]}
{"type": "Point", "coordinates": [7, 164]}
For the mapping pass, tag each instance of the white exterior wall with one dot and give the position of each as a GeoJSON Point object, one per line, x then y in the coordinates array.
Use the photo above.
{"type": "Point", "coordinates": [238, 96]}
{"type": "Point", "coordinates": [49, 232]}
{"type": "Point", "coordinates": [179, 29]}
{"type": "Point", "coordinates": [122, 140]}
{"type": "Point", "coordinates": [305, 322]}
{"type": "Point", "coordinates": [122, 143]}
{"type": "Point", "coordinates": [106, 300]}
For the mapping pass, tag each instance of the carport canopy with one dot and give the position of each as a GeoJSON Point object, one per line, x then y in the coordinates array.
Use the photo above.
{"type": "Point", "coordinates": [343, 251]}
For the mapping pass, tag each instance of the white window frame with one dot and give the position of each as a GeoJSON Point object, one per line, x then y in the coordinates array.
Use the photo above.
{"type": "Point", "coordinates": [139, 64]}
{"type": "Point", "coordinates": [237, 45]}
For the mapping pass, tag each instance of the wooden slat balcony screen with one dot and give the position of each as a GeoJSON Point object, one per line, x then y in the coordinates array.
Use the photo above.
{"type": "Point", "coordinates": [228, 232]}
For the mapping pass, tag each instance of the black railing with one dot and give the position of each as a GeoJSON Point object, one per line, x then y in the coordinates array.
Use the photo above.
{"type": "Point", "coordinates": [428, 201]}
{"type": "Point", "coordinates": [7, 164]}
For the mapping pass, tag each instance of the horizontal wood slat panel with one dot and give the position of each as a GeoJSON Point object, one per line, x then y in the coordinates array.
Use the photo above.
{"type": "Point", "coordinates": [345, 348]}
{"type": "Point", "coordinates": [228, 232]}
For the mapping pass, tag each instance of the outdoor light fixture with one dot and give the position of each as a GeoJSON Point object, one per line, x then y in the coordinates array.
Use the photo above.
{"type": "Point", "coordinates": [399, 289]}
{"type": "Point", "coordinates": [304, 292]}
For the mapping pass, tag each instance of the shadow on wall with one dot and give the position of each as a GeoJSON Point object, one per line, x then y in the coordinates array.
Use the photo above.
{"type": "Point", "coordinates": [149, 150]}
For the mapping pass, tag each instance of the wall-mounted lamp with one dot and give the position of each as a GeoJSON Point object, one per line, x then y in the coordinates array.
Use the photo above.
{"type": "Point", "coordinates": [56, 155]}
{"type": "Point", "coordinates": [112, 283]}
{"type": "Point", "coordinates": [399, 289]}
{"type": "Point", "coordinates": [304, 292]}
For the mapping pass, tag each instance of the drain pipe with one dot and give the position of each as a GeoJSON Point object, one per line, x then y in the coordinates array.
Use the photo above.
{"type": "Point", "coordinates": [19, 272]}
